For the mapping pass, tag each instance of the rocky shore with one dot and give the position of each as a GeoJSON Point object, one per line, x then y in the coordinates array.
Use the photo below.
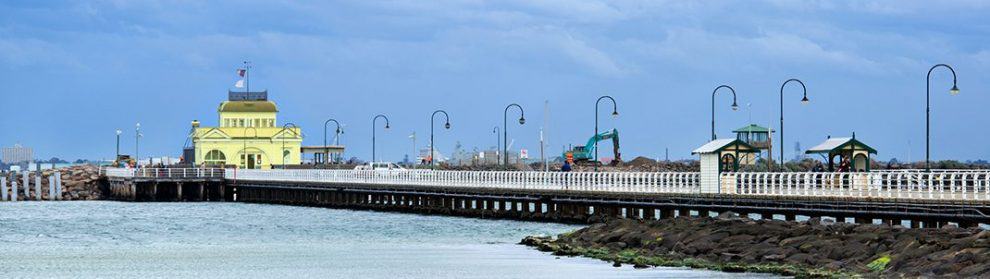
{"type": "Point", "coordinates": [812, 249]}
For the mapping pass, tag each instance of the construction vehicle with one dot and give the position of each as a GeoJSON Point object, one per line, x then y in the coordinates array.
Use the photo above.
{"type": "Point", "coordinates": [584, 154]}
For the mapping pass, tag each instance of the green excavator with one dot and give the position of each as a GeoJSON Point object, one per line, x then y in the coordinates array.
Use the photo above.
{"type": "Point", "coordinates": [584, 154]}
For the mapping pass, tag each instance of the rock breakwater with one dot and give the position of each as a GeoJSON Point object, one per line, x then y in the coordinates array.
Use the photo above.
{"type": "Point", "coordinates": [812, 249]}
{"type": "Point", "coordinates": [78, 183]}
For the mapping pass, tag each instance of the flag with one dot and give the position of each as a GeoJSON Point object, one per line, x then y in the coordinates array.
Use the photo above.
{"type": "Point", "coordinates": [239, 84]}
{"type": "Point", "coordinates": [241, 72]}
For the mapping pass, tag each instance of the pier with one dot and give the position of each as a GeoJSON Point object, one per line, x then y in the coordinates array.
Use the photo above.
{"type": "Point", "coordinates": [166, 184]}
{"type": "Point", "coordinates": [927, 199]}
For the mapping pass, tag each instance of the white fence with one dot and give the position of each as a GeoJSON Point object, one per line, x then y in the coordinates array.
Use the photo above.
{"type": "Point", "coordinates": [644, 182]}
{"type": "Point", "coordinates": [939, 185]}
{"type": "Point", "coordinates": [163, 172]}
{"type": "Point", "coordinates": [915, 184]}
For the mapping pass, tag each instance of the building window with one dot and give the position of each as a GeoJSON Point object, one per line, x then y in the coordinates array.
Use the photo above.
{"type": "Point", "coordinates": [271, 123]}
{"type": "Point", "coordinates": [215, 157]}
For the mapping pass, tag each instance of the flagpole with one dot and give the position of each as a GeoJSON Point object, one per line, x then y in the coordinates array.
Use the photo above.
{"type": "Point", "coordinates": [247, 76]}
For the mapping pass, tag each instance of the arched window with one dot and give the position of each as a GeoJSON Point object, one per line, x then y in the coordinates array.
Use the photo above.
{"type": "Point", "coordinates": [215, 157]}
{"type": "Point", "coordinates": [728, 163]}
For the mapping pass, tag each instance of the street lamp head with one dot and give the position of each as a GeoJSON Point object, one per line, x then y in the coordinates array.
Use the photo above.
{"type": "Point", "coordinates": [615, 113]}
{"type": "Point", "coordinates": [138, 125]}
{"type": "Point", "coordinates": [387, 127]}
{"type": "Point", "coordinates": [954, 90]}
{"type": "Point", "coordinates": [119, 132]}
{"type": "Point", "coordinates": [735, 106]}
{"type": "Point", "coordinates": [805, 100]}
{"type": "Point", "coordinates": [447, 126]}
{"type": "Point", "coordinates": [522, 121]}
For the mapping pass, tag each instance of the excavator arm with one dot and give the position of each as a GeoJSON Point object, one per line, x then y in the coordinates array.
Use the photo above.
{"type": "Point", "coordinates": [589, 148]}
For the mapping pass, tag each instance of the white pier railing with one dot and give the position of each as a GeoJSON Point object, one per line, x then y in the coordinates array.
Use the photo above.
{"type": "Point", "coordinates": [643, 182]}
{"type": "Point", "coordinates": [163, 172]}
{"type": "Point", "coordinates": [913, 184]}
{"type": "Point", "coordinates": [938, 185]}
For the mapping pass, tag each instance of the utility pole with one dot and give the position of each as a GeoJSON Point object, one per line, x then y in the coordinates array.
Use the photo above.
{"type": "Point", "coordinates": [543, 157]}
{"type": "Point", "coordinates": [546, 137]}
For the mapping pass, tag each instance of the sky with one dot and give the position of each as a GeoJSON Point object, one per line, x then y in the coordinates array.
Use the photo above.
{"type": "Point", "coordinates": [72, 72]}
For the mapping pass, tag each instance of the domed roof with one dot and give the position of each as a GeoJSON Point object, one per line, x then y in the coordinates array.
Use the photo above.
{"type": "Point", "coordinates": [248, 106]}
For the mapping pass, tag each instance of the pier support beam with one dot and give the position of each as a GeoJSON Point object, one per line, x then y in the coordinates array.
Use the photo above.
{"type": "Point", "coordinates": [666, 213]}
{"type": "Point", "coordinates": [703, 213]}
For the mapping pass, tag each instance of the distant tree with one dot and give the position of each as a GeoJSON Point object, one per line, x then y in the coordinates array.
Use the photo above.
{"type": "Point", "coordinates": [354, 161]}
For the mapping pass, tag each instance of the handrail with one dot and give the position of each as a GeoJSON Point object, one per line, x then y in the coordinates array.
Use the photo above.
{"type": "Point", "coordinates": [191, 173]}
{"type": "Point", "coordinates": [641, 182]}
{"type": "Point", "coordinates": [934, 185]}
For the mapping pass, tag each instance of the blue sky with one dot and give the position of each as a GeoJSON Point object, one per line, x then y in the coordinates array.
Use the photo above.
{"type": "Point", "coordinates": [71, 72]}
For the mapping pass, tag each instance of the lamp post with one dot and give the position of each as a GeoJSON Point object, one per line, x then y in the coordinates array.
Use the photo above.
{"type": "Point", "coordinates": [498, 142]}
{"type": "Point", "coordinates": [505, 131]}
{"type": "Point", "coordinates": [244, 141]}
{"type": "Point", "coordinates": [118, 146]}
{"type": "Point", "coordinates": [928, 109]}
{"type": "Point", "coordinates": [446, 126]}
{"type": "Point", "coordinates": [615, 113]}
{"type": "Point", "coordinates": [336, 136]}
{"type": "Point", "coordinates": [137, 145]}
{"type": "Point", "coordinates": [804, 100]}
{"type": "Point", "coordinates": [284, 128]}
{"type": "Point", "coordinates": [373, 123]}
{"type": "Point", "coordinates": [734, 105]}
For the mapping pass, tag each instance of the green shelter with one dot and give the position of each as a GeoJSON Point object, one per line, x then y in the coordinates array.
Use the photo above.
{"type": "Point", "coordinates": [852, 150]}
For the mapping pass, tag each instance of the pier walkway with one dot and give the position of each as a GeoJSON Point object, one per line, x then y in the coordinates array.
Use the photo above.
{"type": "Point", "coordinates": [911, 198]}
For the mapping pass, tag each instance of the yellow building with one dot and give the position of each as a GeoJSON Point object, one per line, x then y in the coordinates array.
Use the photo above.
{"type": "Point", "coordinates": [249, 135]}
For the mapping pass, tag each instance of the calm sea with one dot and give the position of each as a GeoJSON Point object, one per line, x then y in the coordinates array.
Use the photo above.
{"type": "Point", "coordinates": [234, 240]}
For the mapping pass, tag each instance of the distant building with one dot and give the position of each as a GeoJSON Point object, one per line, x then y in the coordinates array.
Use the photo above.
{"type": "Point", "coordinates": [17, 154]}
{"type": "Point", "coordinates": [249, 135]}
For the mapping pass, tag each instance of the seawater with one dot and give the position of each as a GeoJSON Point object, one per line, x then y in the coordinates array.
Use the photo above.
{"type": "Point", "coordinates": [235, 240]}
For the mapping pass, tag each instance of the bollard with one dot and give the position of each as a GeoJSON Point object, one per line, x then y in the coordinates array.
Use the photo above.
{"type": "Point", "coordinates": [51, 187]}
{"type": "Point", "coordinates": [26, 177]}
{"type": "Point", "coordinates": [37, 186]}
{"type": "Point", "coordinates": [3, 187]}
{"type": "Point", "coordinates": [58, 185]}
{"type": "Point", "coordinates": [13, 189]}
